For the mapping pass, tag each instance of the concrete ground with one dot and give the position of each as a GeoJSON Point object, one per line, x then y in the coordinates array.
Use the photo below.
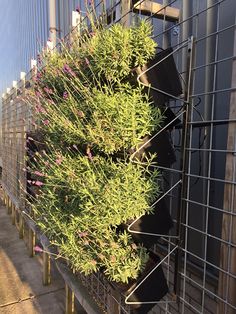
{"type": "Point", "coordinates": [21, 288]}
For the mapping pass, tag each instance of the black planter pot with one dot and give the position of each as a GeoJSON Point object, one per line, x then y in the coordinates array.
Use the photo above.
{"type": "Point", "coordinates": [161, 145]}
{"type": "Point", "coordinates": [160, 222]}
{"type": "Point", "coordinates": [153, 289]}
{"type": "Point", "coordinates": [170, 120]}
{"type": "Point", "coordinates": [164, 77]}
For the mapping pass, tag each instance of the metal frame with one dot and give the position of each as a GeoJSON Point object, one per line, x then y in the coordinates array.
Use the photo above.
{"type": "Point", "coordinates": [195, 272]}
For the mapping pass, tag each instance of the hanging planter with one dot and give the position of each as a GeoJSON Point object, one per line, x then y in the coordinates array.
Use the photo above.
{"type": "Point", "coordinates": [160, 145]}
{"type": "Point", "coordinates": [161, 73]}
{"type": "Point", "coordinates": [150, 287]}
{"type": "Point", "coordinates": [88, 111]}
{"type": "Point", "coordinates": [148, 228]}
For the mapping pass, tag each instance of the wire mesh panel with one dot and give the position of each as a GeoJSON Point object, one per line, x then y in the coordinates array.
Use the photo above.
{"type": "Point", "coordinates": [207, 239]}
{"type": "Point", "coordinates": [16, 122]}
{"type": "Point", "coordinates": [199, 254]}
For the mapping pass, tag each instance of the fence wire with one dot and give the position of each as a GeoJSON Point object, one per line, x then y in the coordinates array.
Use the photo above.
{"type": "Point", "coordinates": [207, 248]}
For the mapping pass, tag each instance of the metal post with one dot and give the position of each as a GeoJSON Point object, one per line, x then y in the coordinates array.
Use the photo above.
{"type": "Point", "coordinates": [125, 12]}
{"type": "Point", "coordinates": [184, 160]}
{"type": "Point", "coordinates": [4, 200]}
{"type": "Point", "coordinates": [211, 25]}
{"type": "Point", "coordinates": [187, 56]}
{"type": "Point", "coordinates": [186, 33]}
{"type": "Point", "coordinates": [8, 205]}
{"type": "Point", "coordinates": [52, 21]}
{"type": "Point", "coordinates": [166, 41]}
{"type": "Point", "coordinates": [70, 298]}
{"type": "Point", "coordinates": [13, 214]}
{"type": "Point", "coordinates": [46, 269]}
{"type": "Point", "coordinates": [21, 227]}
{"type": "Point", "coordinates": [31, 243]}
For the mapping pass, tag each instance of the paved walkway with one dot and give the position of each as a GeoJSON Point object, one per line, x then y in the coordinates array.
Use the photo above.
{"type": "Point", "coordinates": [21, 288]}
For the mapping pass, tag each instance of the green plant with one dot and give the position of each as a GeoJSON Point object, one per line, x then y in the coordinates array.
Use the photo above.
{"type": "Point", "coordinates": [87, 110]}
{"type": "Point", "coordinates": [112, 53]}
{"type": "Point", "coordinates": [108, 120]}
{"type": "Point", "coordinates": [81, 203]}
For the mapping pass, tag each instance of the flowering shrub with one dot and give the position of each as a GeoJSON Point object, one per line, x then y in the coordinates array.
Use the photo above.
{"type": "Point", "coordinates": [114, 52]}
{"type": "Point", "coordinates": [107, 119]}
{"type": "Point", "coordinates": [87, 110]}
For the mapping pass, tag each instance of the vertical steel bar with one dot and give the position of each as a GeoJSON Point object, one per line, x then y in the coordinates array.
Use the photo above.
{"type": "Point", "coordinates": [13, 214]}
{"type": "Point", "coordinates": [210, 85]}
{"type": "Point", "coordinates": [181, 215]}
{"type": "Point", "coordinates": [70, 298]}
{"type": "Point", "coordinates": [166, 41]}
{"type": "Point", "coordinates": [227, 284]}
{"type": "Point", "coordinates": [186, 60]}
{"type": "Point", "coordinates": [186, 32]}
{"type": "Point", "coordinates": [46, 269]}
{"type": "Point", "coordinates": [31, 243]}
{"type": "Point", "coordinates": [8, 205]}
{"type": "Point", "coordinates": [21, 227]}
{"type": "Point", "coordinates": [208, 99]}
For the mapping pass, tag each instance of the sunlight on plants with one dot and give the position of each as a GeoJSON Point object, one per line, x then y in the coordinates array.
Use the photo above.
{"type": "Point", "coordinates": [91, 114]}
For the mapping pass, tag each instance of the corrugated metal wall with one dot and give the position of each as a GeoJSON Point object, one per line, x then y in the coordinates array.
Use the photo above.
{"type": "Point", "coordinates": [24, 30]}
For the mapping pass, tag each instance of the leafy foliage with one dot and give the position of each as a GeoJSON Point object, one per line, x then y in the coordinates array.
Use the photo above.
{"type": "Point", "coordinates": [106, 119]}
{"type": "Point", "coordinates": [87, 110]}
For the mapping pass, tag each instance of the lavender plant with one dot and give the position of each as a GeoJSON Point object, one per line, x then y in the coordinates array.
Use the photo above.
{"type": "Point", "coordinates": [87, 110]}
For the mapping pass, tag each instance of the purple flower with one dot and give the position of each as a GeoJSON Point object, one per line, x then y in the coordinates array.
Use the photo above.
{"type": "Point", "coordinates": [38, 249]}
{"type": "Point", "coordinates": [39, 58]}
{"type": "Point", "coordinates": [80, 113]}
{"type": "Point", "coordinates": [40, 109]}
{"type": "Point", "coordinates": [38, 183]}
{"type": "Point", "coordinates": [48, 90]}
{"type": "Point", "coordinates": [51, 101]}
{"type": "Point", "coordinates": [65, 95]}
{"type": "Point", "coordinates": [38, 173]}
{"type": "Point", "coordinates": [83, 234]}
{"type": "Point", "coordinates": [39, 75]}
{"type": "Point", "coordinates": [59, 160]}
{"type": "Point", "coordinates": [68, 70]}
{"type": "Point", "coordinates": [46, 122]}
{"type": "Point", "coordinates": [92, 34]}
{"type": "Point", "coordinates": [37, 93]}
{"type": "Point", "coordinates": [87, 61]}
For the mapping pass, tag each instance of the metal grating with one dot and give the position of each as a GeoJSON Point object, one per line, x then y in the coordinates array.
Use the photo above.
{"type": "Point", "coordinates": [203, 271]}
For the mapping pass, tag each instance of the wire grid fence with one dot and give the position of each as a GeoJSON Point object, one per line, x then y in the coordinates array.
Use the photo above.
{"type": "Point", "coordinates": [16, 123]}
{"type": "Point", "coordinates": [207, 248]}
